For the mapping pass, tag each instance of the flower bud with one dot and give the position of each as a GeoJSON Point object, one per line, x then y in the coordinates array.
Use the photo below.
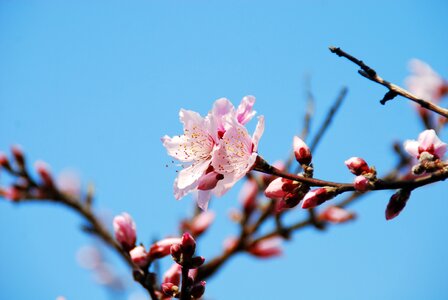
{"type": "Point", "coordinates": [162, 247]}
{"type": "Point", "coordinates": [318, 196]}
{"type": "Point", "coordinates": [209, 181]}
{"type": "Point", "coordinates": [301, 151]}
{"type": "Point", "coordinates": [197, 261]}
{"type": "Point", "coordinates": [266, 248]}
{"type": "Point", "coordinates": [199, 223]}
{"type": "Point", "coordinates": [176, 252]}
{"type": "Point", "coordinates": [357, 165]}
{"type": "Point", "coordinates": [397, 203]}
{"type": "Point", "coordinates": [198, 290]}
{"type": "Point", "coordinates": [361, 183]}
{"type": "Point", "coordinates": [173, 274]}
{"type": "Point", "coordinates": [17, 152]}
{"type": "Point", "coordinates": [4, 161]}
{"type": "Point", "coordinates": [42, 169]}
{"type": "Point", "coordinates": [125, 231]}
{"type": "Point", "coordinates": [248, 195]}
{"type": "Point", "coordinates": [334, 214]}
{"type": "Point", "coordinates": [188, 245]}
{"type": "Point", "coordinates": [139, 256]}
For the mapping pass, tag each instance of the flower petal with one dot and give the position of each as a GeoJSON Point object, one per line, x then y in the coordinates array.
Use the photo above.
{"type": "Point", "coordinates": [244, 113]}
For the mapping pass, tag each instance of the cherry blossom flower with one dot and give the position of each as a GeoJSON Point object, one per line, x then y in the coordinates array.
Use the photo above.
{"type": "Point", "coordinates": [139, 256]}
{"type": "Point", "coordinates": [427, 141]}
{"type": "Point", "coordinates": [215, 151]}
{"type": "Point", "coordinates": [424, 82]}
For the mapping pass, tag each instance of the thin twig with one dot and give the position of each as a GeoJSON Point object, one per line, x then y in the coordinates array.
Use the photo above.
{"type": "Point", "coordinates": [394, 89]}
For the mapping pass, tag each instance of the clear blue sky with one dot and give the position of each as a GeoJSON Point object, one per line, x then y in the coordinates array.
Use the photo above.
{"type": "Point", "coordinates": [93, 85]}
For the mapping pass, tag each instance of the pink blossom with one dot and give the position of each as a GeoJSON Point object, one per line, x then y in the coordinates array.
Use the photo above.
{"type": "Point", "coordinates": [336, 215]}
{"type": "Point", "coordinates": [361, 183]}
{"type": "Point", "coordinates": [427, 141]}
{"type": "Point", "coordinates": [301, 151]}
{"type": "Point", "coordinates": [125, 230]}
{"type": "Point", "coordinates": [139, 256]}
{"type": "Point", "coordinates": [318, 196]}
{"type": "Point", "coordinates": [424, 82]}
{"type": "Point", "coordinates": [162, 247]}
{"type": "Point", "coordinates": [357, 165]}
{"type": "Point", "coordinates": [266, 248]}
{"type": "Point", "coordinates": [236, 153]}
{"type": "Point", "coordinates": [203, 141]}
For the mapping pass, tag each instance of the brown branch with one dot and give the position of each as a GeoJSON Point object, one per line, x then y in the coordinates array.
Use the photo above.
{"type": "Point", "coordinates": [394, 89]}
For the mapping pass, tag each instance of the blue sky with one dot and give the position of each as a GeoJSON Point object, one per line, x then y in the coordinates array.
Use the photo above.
{"type": "Point", "coordinates": [93, 85]}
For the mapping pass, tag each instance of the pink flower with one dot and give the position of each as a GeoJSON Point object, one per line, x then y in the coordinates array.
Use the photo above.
{"type": "Point", "coordinates": [162, 247]}
{"type": "Point", "coordinates": [334, 214]}
{"type": "Point", "coordinates": [173, 274]}
{"type": "Point", "coordinates": [318, 196]}
{"type": "Point", "coordinates": [139, 256]}
{"type": "Point", "coordinates": [203, 141]}
{"type": "Point", "coordinates": [429, 142]}
{"type": "Point", "coordinates": [236, 153]}
{"type": "Point", "coordinates": [301, 151]}
{"type": "Point", "coordinates": [125, 230]}
{"type": "Point", "coordinates": [424, 82]}
{"type": "Point", "coordinates": [266, 248]}
{"type": "Point", "coordinates": [361, 183]}
{"type": "Point", "coordinates": [357, 165]}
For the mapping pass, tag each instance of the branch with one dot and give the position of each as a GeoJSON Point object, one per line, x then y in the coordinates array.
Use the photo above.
{"type": "Point", "coordinates": [394, 90]}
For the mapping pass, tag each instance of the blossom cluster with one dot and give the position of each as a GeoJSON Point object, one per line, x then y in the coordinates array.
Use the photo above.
{"type": "Point", "coordinates": [216, 150]}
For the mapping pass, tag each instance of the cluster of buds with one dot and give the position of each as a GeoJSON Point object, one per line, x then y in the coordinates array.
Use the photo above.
{"type": "Point", "coordinates": [289, 193]}
{"type": "Point", "coordinates": [365, 175]}
{"type": "Point", "coordinates": [183, 255]}
{"type": "Point", "coordinates": [25, 186]}
{"type": "Point", "coordinates": [428, 149]}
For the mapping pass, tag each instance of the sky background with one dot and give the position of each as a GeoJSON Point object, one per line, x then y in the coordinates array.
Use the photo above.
{"type": "Point", "coordinates": [91, 86]}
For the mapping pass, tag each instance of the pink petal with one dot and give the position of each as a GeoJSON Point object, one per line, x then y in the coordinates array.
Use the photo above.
{"type": "Point", "coordinates": [258, 133]}
{"type": "Point", "coordinates": [411, 147]}
{"type": "Point", "coordinates": [244, 112]}
{"type": "Point", "coordinates": [190, 175]}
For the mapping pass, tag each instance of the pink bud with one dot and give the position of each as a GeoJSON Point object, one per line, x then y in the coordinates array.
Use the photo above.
{"type": "Point", "coordinates": [43, 170]}
{"type": "Point", "coordinates": [4, 161]}
{"type": "Point", "coordinates": [209, 181]}
{"type": "Point", "coordinates": [188, 244]}
{"type": "Point", "coordinates": [281, 188]}
{"type": "Point", "coordinates": [361, 183]}
{"type": "Point", "coordinates": [357, 165]}
{"type": "Point", "coordinates": [176, 252]}
{"type": "Point", "coordinates": [17, 152]}
{"type": "Point", "coordinates": [198, 290]}
{"type": "Point", "coordinates": [334, 214]}
{"type": "Point", "coordinates": [125, 230]}
{"type": "Point", "coordinates": [397, 203]}
{"type": "Point", "coordinates": [13, 193]}
{"type": "Point", "coordinates": [162, 248]}
{"type": "Point", "coordinates": [301, 151]}
{"type": "Point", "coordinates": [318, 196]}
{"type": "Point", "coordinates": [201, 223]}
{"type": "Point", "coordinates": [173, 274]}
{"type": "Point", "coordinates": [266, 248]}
{"type": "Point", "coordinates": [248, 195]}
{"type": "Point", "coordinates": [139, 256]}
